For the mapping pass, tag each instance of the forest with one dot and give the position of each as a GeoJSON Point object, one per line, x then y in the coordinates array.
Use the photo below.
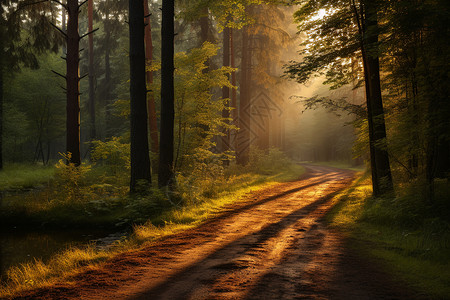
{"type": "Point", "coordinates": [237, 149]}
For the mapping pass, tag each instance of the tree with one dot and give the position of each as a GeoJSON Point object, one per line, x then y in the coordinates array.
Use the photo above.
{"type": "Point", "coordinates": [140, 160]}
{"type": "Point", "coordinates": [152, 120]}
{"type": "Point", "coordinates": [167, 95]}
{"type": "Point", "coordinates": [356, 26]}
{"type": "Point", "coordinates": [110, 48]}
{"type": "Point", "coordinates": [92, 131]}
{"type": "Point", "coordinates": [368, 30]}
{"type": "Point", "coordinates": [243, 135]}
{"type": "Point", "coordinates": [417, 64]}
{"type": "Point", "coordinates": [72, 78]}
{"type": "Point", "coordinates": [226, 90]}
{"type": "Point", "coordinates": [19, 49]}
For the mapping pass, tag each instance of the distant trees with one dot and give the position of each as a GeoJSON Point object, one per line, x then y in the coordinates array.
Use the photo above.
{"type": "Point", "coordinates": [111, 71]}
{"type": "Point", "coordinates": [392, 43]}
{"type": "Point", "coordinates": [17, 50]}
{"type": "Point", "coordinates": [140, 161]}
{"type": "Point", "coordinates": [417, 57]}
{"type": "Point", "coordinates": [356, 26]}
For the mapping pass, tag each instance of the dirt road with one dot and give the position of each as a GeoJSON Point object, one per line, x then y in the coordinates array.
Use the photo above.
{"type": "Point", "coordinates": [273, 245]}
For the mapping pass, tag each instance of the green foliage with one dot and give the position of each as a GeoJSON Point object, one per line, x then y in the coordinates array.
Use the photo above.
{"type": "Point", "coordinates": [34, 116]}
{"type": "Point", "coordinates": [113, 153]}
{"type": "Point", "coordinates": [268, 162]}
{"type": "Point", "coordinates": [18, 176]}
{"type": "Point", "coordinates": [331, 44]}
{"type": "Point", "coordinates": [411, 238]}
{"type": "Point", "coordinates": [202, 180]}
{"type": "Point", "coordinates": [69, 179]}
{"type": "Point", "coordinates": [197, 117]}
{"type": "Point", "coordinates": [228, 13]}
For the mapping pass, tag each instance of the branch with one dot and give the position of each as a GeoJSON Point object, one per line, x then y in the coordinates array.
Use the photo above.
{"type": "Point", "coordinates": [82, 3]}
{"type": "Point", "coordinates": [63, 88]}
{"type": "Point", "coordinates": [357, 17]}
{"type": "Point", "coordinates": [147, 16]}
{"type": "Point", "coordinates": [20, 7]}
{"type": "Point", "coordinates": [86, 34]}
{"type": "Point", "coordinates": [402, 165]}
{"type": "Point", "coordinates": [83, 77]}
{"type": "Point", "coordinates": [59, 29]}
{"type": "Point", "coordinates": [59, 74]}
{"type": "Point", "coordinates": [60, 3]}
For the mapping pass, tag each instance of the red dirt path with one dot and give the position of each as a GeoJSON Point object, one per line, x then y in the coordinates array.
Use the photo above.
{"type": "Point", "coordinates": [273, 245]}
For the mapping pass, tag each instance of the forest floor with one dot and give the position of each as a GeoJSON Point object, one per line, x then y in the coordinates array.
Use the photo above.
{"type": "Point", "coordinates": [273, 245]}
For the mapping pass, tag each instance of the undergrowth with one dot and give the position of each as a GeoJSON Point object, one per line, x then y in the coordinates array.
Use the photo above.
{"type": "Point", "coordinates": [411, 236]}
{"type": "Point", "coordinates": [20, 176]}
{"type": "Point", "coordinates": [154, 214]}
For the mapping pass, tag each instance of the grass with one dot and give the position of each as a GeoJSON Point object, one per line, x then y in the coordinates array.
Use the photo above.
{"type": "Point", "coordinates": [40, 274]}
{"type": "Point", "coordinates": [412, 248]}
{"type": "Point", "coordinates": [21, 176]}
{"type": "Point", "coordinates": [166, 220]}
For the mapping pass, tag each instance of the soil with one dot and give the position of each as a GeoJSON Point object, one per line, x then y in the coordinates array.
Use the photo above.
{"type": "Point", "coordinates": [273, 245]}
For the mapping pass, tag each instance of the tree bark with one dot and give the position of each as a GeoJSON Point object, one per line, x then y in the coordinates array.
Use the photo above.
{"type": "Point", "coordinates": [167, 95]}
{"type": "Point", "coordinates": [233, 82]}
{"type": "Point", "coordinates": [140, 160]}
{"type": "Point", "coordinates": [243, 141]}
{"type": "Point", "coordinates": [92, 131]}
{"type": "Point", "coordinates": [152, 120]}
{"type": "Point", "coordinates": [73, 84]}
{"type": "Point", "coordinates": [366, 19]}
{"type": "Point", "coordinates": [107, 81]}
{"type": "Point", "coordinates": [226, 90]}
{"type": "Point", "coordinates": [1, 107]}
{"type": "Point", "coordinates": [383, 170]}
{"type": "Point", "coordinates": [64, 25]}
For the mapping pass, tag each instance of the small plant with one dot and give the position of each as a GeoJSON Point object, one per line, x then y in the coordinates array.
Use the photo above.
{"type": "Point", "coordinates": [267, 163]}
{"type": "Point", "coordinates": [113, 153]}
{"type": "Point", "coordinates": [68, 178]}
{"type": "Point", "coordinates": [201, 179]}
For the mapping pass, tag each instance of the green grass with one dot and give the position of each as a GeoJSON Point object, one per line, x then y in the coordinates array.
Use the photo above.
{"type": "Point", "coordinates": [413, 248]}
{"type": "Point", "coordinates": [153, 218]}
{"type": "Point", "coordinates": [21, 176]}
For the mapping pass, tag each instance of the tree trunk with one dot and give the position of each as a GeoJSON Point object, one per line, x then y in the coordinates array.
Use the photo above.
{"type": "Point", "coordinates": [140, 160]}
{"type": "Point", "coordinates": [233, 82]}
{"type": "Point", "coordinates": [243, 141]}
{"type": "Point", "coordinates": [381, 156]}
{"type": "Point", "coordinates": [108, 122]}
{"type": "Point", "coordinates": [64, 25]}
{"type": "Point", "coordinates": [92, 131]}
{"type": "Point", "coordinates": [226, 90]}
{"type": "Point", "coordinates": [167, 94]}
{"type": "Point", "coordinates": [373, 164]}
{"type": "Point", "coordinates": [152, 120]}
{"type": "Point", "coordinates": [73, 84]}
{"type": "Point", "coordinates": [1, 108]}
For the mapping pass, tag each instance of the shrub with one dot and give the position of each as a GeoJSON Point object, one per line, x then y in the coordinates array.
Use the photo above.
{"type": "Point", "coordinates": [68, 179]}
{"type": "Point", "coordinates": [267, 163]}
{"type": "Point", "coordinates": [113, 153]}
